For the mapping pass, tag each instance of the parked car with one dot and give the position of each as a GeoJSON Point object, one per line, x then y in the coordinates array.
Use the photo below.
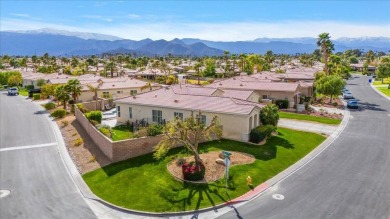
{"type": "Point", "coordinates": [31, 92]}
{"type": "Point", "coordinates": [353, 104]}
{"type": "Point", "coordinates": [13, 91]}
{"type": "Point", "coordinates": [347, 95]}
{"type": "Point", "coordinates": [345, 90]}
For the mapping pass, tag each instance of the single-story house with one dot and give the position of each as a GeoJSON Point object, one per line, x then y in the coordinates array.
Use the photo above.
{"type": "Point", "coordinates": [238, 117]}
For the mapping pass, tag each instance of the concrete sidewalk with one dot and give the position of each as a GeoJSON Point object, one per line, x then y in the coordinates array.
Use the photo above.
{"type": "Point", "coordinates": [307, 126]}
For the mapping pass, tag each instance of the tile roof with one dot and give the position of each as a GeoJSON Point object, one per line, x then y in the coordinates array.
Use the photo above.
{"type": "Point", "coordinates": [166, 97]}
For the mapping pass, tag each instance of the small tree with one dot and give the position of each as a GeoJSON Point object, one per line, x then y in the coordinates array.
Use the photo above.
{"type": "Point", "coordinates": [95, 89]}
{"type": "Point", "coordinates": [330, 85]}
{"type": "Point", "coordinates": [269, 115]}
{"type": "Point", "coordinates": [41, 82]}
{"type": "Point", "coordinates": [14, 80]}
{"type": "Point", "coordinates": [189, 132]}
{"type": "Point", "coordinates": [62, 94]}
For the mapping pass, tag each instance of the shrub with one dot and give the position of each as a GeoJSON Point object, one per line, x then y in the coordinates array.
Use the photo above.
{"type": "Point", "coordinates": [92, 159]}
{"type": "Point", "coordinates": [154, 129]}
{"type": "Point", "coordinates": [36, 96]}
{"type": "Point", "coordinates": [193, 172]}
{"type": "Point", "coordinates": [49, 106]}
{"type": "Point", "coordinates": [29, 87]}
{"type": "Point", "coordinates": [259, 133]}
{"type": "Point", "coordinates": [94, 115]}
{"type": "Point", "coordinates": [282, 104]}
{"type": "Point", "coordinates": [64, 123]}
{"type": "Point", "coordinates": [78, 142]}
{"type": "Point", "coordinates": [105, 130]}
{"type": "Point", "coordinates": [60, 113]}
{"type": "Point", "coordinates": [81, 107]}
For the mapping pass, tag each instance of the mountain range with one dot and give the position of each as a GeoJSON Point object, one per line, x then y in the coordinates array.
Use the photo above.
{"type": "Point", "coordinates": [66, 43]}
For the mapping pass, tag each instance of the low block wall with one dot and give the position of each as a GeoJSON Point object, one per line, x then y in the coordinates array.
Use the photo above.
{"type": "Point", "coordinates": [118, 150]}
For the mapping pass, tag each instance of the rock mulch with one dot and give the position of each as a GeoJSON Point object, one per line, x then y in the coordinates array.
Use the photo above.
{"type": "Point", "coordinates": [214, 171]}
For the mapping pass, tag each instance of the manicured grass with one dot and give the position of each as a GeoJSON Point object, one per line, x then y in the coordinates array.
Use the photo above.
{"type": "Point", "coordinates": [196, 82]}
{"type": "Point", "coordinates": [121, 132]}
{"type": "Point", "coordinates": [384, 90]}
{"type": "Point", "coordinates": [318, 119]}
{"type": "Point", "coordinates": [144, 184]}
{"type": "Point", "coordinates": [23, 92]}
{"type": "Point", "coordinates": [378, 81]}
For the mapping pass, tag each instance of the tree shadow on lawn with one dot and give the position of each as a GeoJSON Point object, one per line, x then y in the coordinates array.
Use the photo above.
{"type": "Point", "coordinates": [204, 193]}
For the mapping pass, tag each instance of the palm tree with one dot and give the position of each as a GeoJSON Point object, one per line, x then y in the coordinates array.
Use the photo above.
{"type": "Point", "coordinates": [95, 90]}
{"type": "Point", "coordinates": [198, 71]}
{"type": "Point", "coordinates": [74, 87]}
{"type": "Point", "coordinates": [62, 94]}
{"type": "Point", "coordinates": [269, 115]}
{"type": "Point", "coordinates": [111, 67]}
{"type": "Point", "coordinates": [327, 47]}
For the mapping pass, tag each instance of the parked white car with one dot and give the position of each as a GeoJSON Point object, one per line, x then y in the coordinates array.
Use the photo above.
{"type": "Point", "coordinates": [347, 95]}
{"type": "Point", "coordinates": [13, 91]}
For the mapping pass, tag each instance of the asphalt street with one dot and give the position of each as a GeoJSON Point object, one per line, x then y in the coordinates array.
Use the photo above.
{"type": "Point", "coordinates": [350, 179]}
{"type": "Point", "coordinates": [31, 166]}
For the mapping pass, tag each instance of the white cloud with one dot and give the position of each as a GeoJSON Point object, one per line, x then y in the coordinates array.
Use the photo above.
{"type": "Point", "coordinates": [21, 15]}
{"type": "Point", "coordinates": [133, 16]}
{"type": "Point", "coordinates": [232, 31]}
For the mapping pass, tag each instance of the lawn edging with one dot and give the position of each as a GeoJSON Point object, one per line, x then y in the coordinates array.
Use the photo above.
{"type": "Point", "coordinates": [379, 92]}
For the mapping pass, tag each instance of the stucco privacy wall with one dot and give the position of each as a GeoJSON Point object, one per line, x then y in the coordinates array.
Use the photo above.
{"type": "Point", "coordinates": [118, 150]}
{"type": "Point", "coordinates": [103, 143]}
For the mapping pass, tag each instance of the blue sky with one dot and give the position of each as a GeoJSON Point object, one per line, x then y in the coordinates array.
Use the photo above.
{"type": "Point", "coordinates": [213, 20]}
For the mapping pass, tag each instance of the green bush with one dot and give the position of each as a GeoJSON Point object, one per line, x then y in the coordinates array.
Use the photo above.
{"type": "Point", "coordinates": [282, 104]}
{"type": "Point", "coordinates": [49, 106]}
{"type": "Point", "coordinates": [81, 107]}
{"type": "Point", "coordinates": [94, 115]}
{"type": "Point", "coordinates": [105, 130]}
{"type": "Point", "coordinates": [154, 129]}
{"type": "Point", "coordinates": [28, 87]}
{"type": "Point", "coordinates": [60, 113]}
{"type": "Point", "coordinates": [259, 133]}
{"type": "Point", "coordinates": [36, 96]}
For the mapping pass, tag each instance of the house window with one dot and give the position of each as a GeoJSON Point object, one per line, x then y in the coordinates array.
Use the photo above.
{"type": "Point", "coordinates": [118, 109]}
{"type": "Point", "coordinates": [178, 115]}
{"type": "Point", "coordinates": [133, 92]}
{"type": "Point", "coordinates": [130, 112]}
{"type": "Point", "coordinates": [119, 92]}
{"type": "Point", "coordinates": [203, 119]}
{"type": "Point", "coordinates": [265, 96]}
{"type": "Point", "coordinates": [157, 116]}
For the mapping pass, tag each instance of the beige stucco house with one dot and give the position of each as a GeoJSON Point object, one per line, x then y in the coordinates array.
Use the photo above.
{"type": "Point", "coordinates": [238, 117]}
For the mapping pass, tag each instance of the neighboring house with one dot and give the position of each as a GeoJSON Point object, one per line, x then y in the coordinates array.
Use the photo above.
{"type": "Point", "coordinates": [115, 88]}
{"type": "Point", "coordinates": [238, 117]}
{"type": "Point", "coordinates": [264, 89]}
{"type": "Point", "coordinates": [360, 67]}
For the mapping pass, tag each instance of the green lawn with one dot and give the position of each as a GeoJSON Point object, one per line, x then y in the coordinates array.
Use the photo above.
{"type": "Point", "coordinates": [384, 90]}
{"type": "Point", "coordinates": [144, 184]}
{"type": "Point", "coordinates": [121, 132]}
{"type": "Point", "coordinates": [297, 116]}
{"type": "Point", "coordinates": [23, 92]}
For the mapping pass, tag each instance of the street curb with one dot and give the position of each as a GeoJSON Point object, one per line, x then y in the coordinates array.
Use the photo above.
{"type": "Point", "coordinates": [257, 191]}
{"type": "Point", "coordinates": [376, 90]}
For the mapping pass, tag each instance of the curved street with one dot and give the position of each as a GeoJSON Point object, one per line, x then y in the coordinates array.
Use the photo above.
{"type": "Point", "coordinates": [31, 166]}
{"type": "Point", "coordinates": [350, 179]}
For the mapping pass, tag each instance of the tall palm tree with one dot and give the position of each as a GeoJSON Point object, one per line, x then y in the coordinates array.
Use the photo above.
{"type": "Point", "coordinates": [95, 89]}
{"type": "Point", "coordinates": [327, 47]}
{"type": "Point", "coordinates": [110, 66]}
{"type": "Point", "coordinates": [198, 71]}
{"type": "Point", "coordinates": [62, 94]}
{"type": "Point", "coordinates": [74, 87]}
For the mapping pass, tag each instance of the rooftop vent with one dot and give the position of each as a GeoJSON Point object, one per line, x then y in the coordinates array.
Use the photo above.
{"type": "Point", "coordinates": [241, 85]}
{"type": "Point", "coordinates": [113, 85]}
{"type": "Point", "coordinates": [176, 101]}
{"type": "Point", "coordinates": [134, 97]}
{"type": "Point", "coordinates": [220, 83]}
{"type": "Point", "coordinates": [155, 95]}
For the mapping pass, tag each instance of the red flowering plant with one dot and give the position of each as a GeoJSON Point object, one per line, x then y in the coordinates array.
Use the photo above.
{"type": "Point", "coordinates": [193, 171]}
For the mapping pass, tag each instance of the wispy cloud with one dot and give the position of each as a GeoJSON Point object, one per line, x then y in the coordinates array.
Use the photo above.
{"type": "Point", "coordinates": [98, 17]}
{"type": "Point", "coordinates": [134, 16]}
{"type": "Point", "coordinates": [230, 31]}
{"type": "Point", "coordinates": [21, 15]}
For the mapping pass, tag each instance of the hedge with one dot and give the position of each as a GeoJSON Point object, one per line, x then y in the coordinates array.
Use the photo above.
{"type": "Point", "coordinates": [282, 104]}
{"type": "Point", "coordinates": [49, 106]}
{"type": "Point", "coordinates": [155, 129]}
{"type": "Point", "coordinates": [81, 107]}
{"type": "Point", "coordinates": [261, 132]}
{"type": "Point", "coordinates": [60, 113]}
{"type": "Point", "coordinates": [36, 96]}
{"type": "Point", "coordinates": [94, 115]}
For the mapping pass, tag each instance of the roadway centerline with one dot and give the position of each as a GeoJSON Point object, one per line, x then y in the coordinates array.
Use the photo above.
{"type": "Point", "coordinates": [28, 146]}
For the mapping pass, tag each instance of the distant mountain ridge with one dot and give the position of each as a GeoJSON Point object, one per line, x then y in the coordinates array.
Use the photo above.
{"type": "Point", "coordinates": [66, 43]}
